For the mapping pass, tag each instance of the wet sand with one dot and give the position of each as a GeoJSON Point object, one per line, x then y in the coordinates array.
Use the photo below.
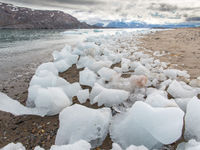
{"type": "Point", "coordinates": [184, 48]}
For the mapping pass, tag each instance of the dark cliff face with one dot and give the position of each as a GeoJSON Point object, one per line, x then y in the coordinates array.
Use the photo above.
{"type": "Point", "coordinates": [25, 18]}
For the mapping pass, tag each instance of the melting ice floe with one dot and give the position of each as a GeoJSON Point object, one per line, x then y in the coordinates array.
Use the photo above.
{"type": "Point", "coordinates": [79, 122]}
{"type": "Point", "coordinates": [145, 125]}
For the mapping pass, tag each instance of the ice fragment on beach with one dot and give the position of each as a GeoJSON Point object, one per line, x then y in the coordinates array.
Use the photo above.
{"type": "Point", "coordinates": [80, 145]}
{"type": "Point", "coordinates": [192, 120]}
{"type": "Point", "coordinates": [148, 126]}
{"type": "Point", "coordinates": [71, 90]}
{"type": "Point", "coordinates": [47, 79]}
{"type": "Point", "coordinates": [14, 107]}
{"type": "Point", "coordinates": [181, 90]}
{"type": "Point", "coordinates": [83, 95]}
{"type": "Point", "coordinates": [38, 148]}
{"type": "Point", "coordinates": [190, 145]}
{"type": "Point", "coordinates": [157, 100]}
{"type": "Point", "coordinates": [173, 73]}
{"type": "Point", "coordinates": [51, 99]}
{"type": "Point", "coordinates": [182, 103]}
{"type": "Point", "coordinates": [62, 65]}
{"type": "Point", "coordinates": [106, 73]}
{"type": "Point", "coordinates": [110, 97]}
{"type": "Point", "coordinates": [87, 77]}
{"type": "Point", "coordinates": [115, 146]}
{"type": "Point", "coordinates": [47, 66]}
{"type": "Point", "coordinates": [142, 70]}
{"type": "Point", "coordinates": [79, 122]}
{"type": "Point", "coordinates": [13, 146]}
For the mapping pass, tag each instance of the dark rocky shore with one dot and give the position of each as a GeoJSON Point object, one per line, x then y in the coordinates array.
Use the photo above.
{"type": "Point", "coordinates": [13, 17]}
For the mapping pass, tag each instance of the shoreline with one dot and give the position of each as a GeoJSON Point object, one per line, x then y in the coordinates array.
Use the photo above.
{"type": "Point", "coordinates": [34, 130]}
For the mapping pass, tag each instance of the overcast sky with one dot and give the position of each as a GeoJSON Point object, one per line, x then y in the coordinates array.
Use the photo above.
{"type": "Point", "coordinates": [92, 11]}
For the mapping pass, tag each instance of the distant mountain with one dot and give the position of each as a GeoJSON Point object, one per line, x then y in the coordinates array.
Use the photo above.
{"type": "Point", "coordinates": [139, 24]}
{"type": "Point", "coordinates": [25, 18]}
{"type": "Point", "coordinates": [98, 24]}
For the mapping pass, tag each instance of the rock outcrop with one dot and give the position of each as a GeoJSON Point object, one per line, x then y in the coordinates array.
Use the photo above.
{"type": "Point", "coordinates": [25, 18]}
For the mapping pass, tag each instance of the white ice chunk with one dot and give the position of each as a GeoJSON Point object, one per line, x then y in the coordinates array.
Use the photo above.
{"type": "Point", "coordinates": [47, 79]}
{"type": "Point", "coordinates": [181, 90]}
{"type": "Point", "coordinates": [192, 120]}
{"type": "Point", "coordinates": [190, 145]}
{"type": "Point", "coordinates": [71, 90]}
{"type": "Point", "coordinates": [106, 73]}
{"type": "Point", "coordinates": [83, 95]}
{"type": "Point", "coordinates": [80, 145]}
{"type": "Point", "coordinates": [87, 77]}
{"type": "Point", "coordinates": [111, 97]}
{"type": "Point", "coordinates": [173, 73]}
{"type": "Point", "coordinates": [85, 61]}
{"type": "Point", "coordinates": [96, 66]}
{"type": "Point", "coordinates": [14, 107]}
{"type": "Point", "coordinates": [79, 122]}
{"type": "Point", "coordinates": [115, 146]}
{"type": "Point", "coordinates": [142, 70]}
{"type": "Point", "coordinates": [125, 64]}
{"type": "Point", "coordinates": [95, 91]}
{"type": "Point", "coordinates": [148, 126]}
{"type": "Point", "coordinates": [157, 100]}
{"type": "Point", "coordinates": [62, 65]}
{"type": "Point", "coordinates": [38, 148]}
{"type": "Point", "coordinates": [52, 99]}
{"type": "Point", "coordinates": [47, 66]}
{"type": "Point", "coordinates": [182, 103]}
{"type": "Point", "coordinates": [13, 146]}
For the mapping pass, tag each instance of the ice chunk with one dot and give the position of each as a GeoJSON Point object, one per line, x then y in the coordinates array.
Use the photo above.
{"type": "Point", "coordinates": [13, 106]}
{"type": "Point", "coordinates": [110, 97]}
{"type": "Point", "coordinates": [71, 90]}
{"type": "Point", "coordinates": [182, 103]}
{"type": "Point", "coordinates": [47, 79]}
{"type": "Point", "coordinates": [125, 64]}
{"type": "Point", "coordinates": [192, 119]}
{"type": "Point", "coordinates": [79, 122]}
{"type": "Point", "coordinates": [87, 77]}
{"type": "Point", "coordinates": [181, 90]}
{"type": "Point", "coordinates": [142, 70]}
{"type": "Point", "coordinates": [173, 73]}
{"type": "Point", "coordinates": [148, 126]}
{"type": "Point", "coordinates": [157, 100]}
{"type": "Point", "coordinates": [47, 66]}
{"type": "Point", "coordinates": [115, 146]}
{"type": "Point", "coordinates": [190, 145]}
{"type": "Point", "coordinates": [38, 148]}
{"type": "Point", "coordinates": [106, 73]}
{"type": "Point", "coordinates": [95, 91]}
{"type": "Point", "coordinates": [13, 146]}
{"type": "Point", "coordinates": [96, 66]}
{"type": "Point", "coordinates": [62, 65]}
{"type": "Point", "coordinates": [83, 95]}
{"type": "Point", "coordinates": [195, 83]}
{"type": "Point", "coordinates": [52, 99]}
{"type": "Point", "coordinates": [80, 145]}
{"type": "Point", "coordinates": [85, 61]}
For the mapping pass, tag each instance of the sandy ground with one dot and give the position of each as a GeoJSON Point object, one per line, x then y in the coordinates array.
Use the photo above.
{"type": "Point", "coordinates": [184, 48]}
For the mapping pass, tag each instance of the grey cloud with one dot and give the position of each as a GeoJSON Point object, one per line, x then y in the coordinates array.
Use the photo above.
{"type": "Point", "coordinates": [193, 19]}
{"type": "Point", "coordinates": [162, 7]}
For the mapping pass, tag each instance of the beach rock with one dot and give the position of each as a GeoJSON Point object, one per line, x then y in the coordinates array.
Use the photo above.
{"type": "Point", "coordinates": [137, 126]}
{"type": "Point", "coordinates": [79, 122]}
{"type": "Point", "coordinates": [25, 18]}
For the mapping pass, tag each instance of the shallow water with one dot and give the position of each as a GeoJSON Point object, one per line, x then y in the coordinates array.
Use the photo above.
{"type": "Point", "coordinates": [24, 50]}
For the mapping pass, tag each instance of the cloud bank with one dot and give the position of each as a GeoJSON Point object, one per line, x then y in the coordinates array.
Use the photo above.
{"type": "Point", "coordinates": [150, 11]}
